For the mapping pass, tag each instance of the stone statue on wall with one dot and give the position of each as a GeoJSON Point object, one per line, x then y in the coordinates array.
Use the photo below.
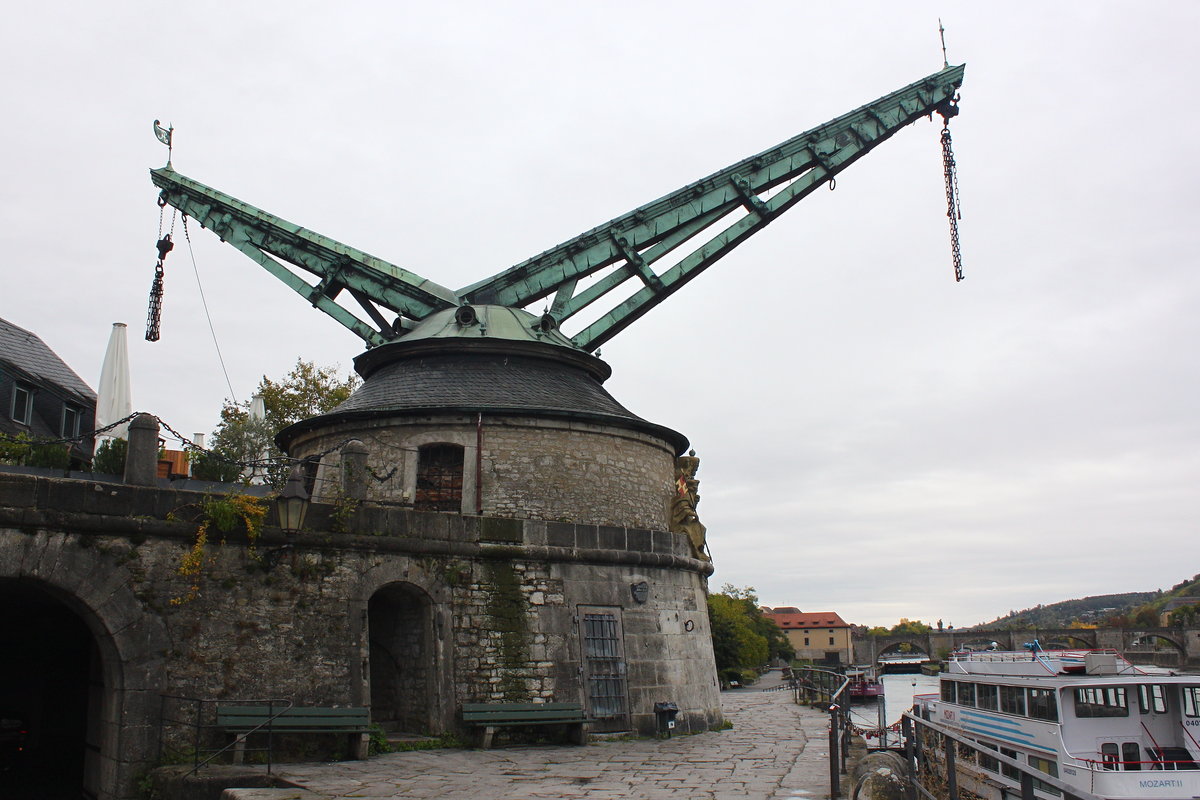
{"type": "Point", "coordinates": [684, 518]}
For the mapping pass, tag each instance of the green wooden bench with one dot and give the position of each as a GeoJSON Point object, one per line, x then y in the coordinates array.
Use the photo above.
{"type": "Point", "coordinates": [242, 720]}
{"type": "Point", "coordinates": [492, 716]}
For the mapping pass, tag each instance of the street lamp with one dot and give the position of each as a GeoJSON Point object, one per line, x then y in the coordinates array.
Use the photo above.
{"type": "Point", "coordinates": [292, 503]}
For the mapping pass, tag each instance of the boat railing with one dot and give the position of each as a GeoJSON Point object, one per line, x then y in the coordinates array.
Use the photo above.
{"type": "Point", "coordinates": [1105, 765]}
{"type": "Point", "coordinates": [1013, 655]}
{"type": "Point", "coordinates": [927, 742]}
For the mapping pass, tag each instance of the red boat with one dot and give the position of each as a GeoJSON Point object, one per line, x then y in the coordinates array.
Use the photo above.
{"type": "Point", "coordinates": [864, 684]}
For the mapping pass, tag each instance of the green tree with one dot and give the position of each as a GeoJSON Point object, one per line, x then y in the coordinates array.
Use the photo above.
{"type": "Point", "coordinates": [744, 637]}
{"type": "Point", "coordinates": [306, 391]}
{"type": "Point", "coordinates": [740, 646]}
{"type": "Point", "coordinates": [1186, 616]}
{"type": "Point", "coordinates": [910, 627]}
{"type": "Point", "coordinates": [1147, 617]}
{"type": "Point", "coordinates": [110, 457]}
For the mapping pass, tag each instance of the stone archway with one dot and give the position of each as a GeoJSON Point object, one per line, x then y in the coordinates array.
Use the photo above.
{"type": "Point", "coordinates": [403, 668]}
{"type": "Point", "coordinates": [52, 689]}
{"type": "Point", "coordinates": [1061, 640]}
{"type": "Point", "coordinates": [907, 647]}
{"type": "Point", "coordinates": [84, 606]}
{"type": "Point", "coordinates": [1154, 648]}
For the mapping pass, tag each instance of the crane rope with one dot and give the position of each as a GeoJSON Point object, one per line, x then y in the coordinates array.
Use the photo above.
{"type": "Point", "coordinates": [208, 316]}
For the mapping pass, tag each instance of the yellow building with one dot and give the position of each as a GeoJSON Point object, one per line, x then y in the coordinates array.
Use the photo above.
{"type": "Point", "coordinates": [819, 636]}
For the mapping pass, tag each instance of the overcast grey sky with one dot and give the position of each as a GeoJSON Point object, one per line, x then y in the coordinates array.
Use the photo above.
{"type": "Point", "coordinates": [875, 439]}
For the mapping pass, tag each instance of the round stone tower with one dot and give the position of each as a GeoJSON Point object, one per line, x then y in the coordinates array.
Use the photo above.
{"type": "Point", "coordinates": [563, 565]}
{"type": "Point", "coordinates": [489, 410]}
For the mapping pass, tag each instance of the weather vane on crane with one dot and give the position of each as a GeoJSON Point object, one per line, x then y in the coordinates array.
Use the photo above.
{"type": "Point", "coordinates": [614, 265]}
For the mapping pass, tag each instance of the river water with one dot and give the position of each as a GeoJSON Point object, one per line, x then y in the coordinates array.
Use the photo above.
{"type": "Point", "coordinates": [898, 691]}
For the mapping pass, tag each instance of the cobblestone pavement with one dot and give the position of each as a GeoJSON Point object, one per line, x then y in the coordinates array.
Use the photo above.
{"type": "Point", "coordinates": [774, 751]}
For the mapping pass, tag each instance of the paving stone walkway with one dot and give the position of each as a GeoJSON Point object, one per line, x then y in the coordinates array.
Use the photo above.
{"type": "Point", "coordinates": [775, 751]}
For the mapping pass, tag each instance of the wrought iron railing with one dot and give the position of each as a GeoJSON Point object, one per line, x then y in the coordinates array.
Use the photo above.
{"type": "Point", "coordinates": [188, 730]}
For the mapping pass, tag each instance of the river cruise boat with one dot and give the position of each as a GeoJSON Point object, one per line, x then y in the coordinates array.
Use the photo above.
{"type": "Point", "coordinates": [1089, 718]}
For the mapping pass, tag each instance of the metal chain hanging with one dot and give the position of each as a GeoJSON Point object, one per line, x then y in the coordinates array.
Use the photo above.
{"type": "Point", "coordinates": [154, 315]}
{"type": "Point", "coordinates": [953, 209]}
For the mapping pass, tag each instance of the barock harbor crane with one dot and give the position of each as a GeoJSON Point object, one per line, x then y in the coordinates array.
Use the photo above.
{"type": "Point", "coordinates": [704, 220]}
{"type": "Point", "coordinates": [559, 504]}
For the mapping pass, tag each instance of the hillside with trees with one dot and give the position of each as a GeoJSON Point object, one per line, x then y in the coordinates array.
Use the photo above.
{"type": "Point", "coordinates": [1086, 610]}
{"type": "Point", "coordinates": [1128, 610]}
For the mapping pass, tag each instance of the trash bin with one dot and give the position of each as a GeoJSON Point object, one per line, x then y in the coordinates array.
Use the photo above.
{"type": "Point", "coordinates": [664, 718]}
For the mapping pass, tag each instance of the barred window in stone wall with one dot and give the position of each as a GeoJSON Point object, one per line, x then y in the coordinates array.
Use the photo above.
{"type": "Point", "coordinates": [439, 478]}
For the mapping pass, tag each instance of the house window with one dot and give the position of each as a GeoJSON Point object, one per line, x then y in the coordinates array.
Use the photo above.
{"type": "Point", "coordinates": [831, 640]}
{"type": "Point", "coordinates": [22, 403]}
{"type": "Point", "coordinates": [806, 641]}
{"type": "Point", "coordinates": [439, 478]}
{"type": "Point", "coordinates": [72, 420]}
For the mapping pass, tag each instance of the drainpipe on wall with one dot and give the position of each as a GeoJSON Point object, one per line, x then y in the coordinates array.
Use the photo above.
{"type": "Point", "coordinates": [479, 465]}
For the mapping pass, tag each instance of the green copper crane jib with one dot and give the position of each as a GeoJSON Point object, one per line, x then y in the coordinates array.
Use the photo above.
{"type": "Point", "coordinates": [760, 187]}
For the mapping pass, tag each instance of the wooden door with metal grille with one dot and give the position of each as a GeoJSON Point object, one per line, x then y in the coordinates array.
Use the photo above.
{"type": "Point", "coordinates": [439, 478]}
{"type": "Point", "coordinates": [604, 668]}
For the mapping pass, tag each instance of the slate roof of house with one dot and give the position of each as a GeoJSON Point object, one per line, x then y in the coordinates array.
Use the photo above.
{"type": "Point", "coordinates": [28, 356]}
{"type": "Point", "coordinates": [789, 620]}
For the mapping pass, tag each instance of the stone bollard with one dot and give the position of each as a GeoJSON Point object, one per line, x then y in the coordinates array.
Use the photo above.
{"type": "Point", "coordinates": [141, 456]}
{"type": "Point", "coordinates": [354, 470]}
{"type": "Point", "coordinates": [882, 775]}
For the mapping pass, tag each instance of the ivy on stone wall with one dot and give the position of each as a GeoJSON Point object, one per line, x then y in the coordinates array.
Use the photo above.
{"type": "Point", "coordinates": [222, 513]}
{"type": "Point", "coordinates": [506, 607]}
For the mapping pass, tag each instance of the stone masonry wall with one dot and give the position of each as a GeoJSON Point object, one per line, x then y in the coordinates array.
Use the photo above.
{"type": "Point", "coordinates": [500, 601]}
{"type": "Point", "coordinates": [532, 468]}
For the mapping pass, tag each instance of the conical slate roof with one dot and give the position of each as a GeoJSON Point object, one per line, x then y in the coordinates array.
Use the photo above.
{"type": "Point", "coordinates": [455, 369]}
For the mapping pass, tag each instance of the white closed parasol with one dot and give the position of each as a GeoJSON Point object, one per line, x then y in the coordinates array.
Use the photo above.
{"type": "Point", "coordinates": [113, 398]}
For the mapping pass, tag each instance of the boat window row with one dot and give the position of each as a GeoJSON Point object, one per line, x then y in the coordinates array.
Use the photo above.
{"type": "Point", "coordinates": [1111, 701]}
{"type": "Point", "coordinates": [1101, 701]}
{"type": "Point", "coordinates": [991, 764]}
{"type": "Point", "coordinates": [1017, 700]}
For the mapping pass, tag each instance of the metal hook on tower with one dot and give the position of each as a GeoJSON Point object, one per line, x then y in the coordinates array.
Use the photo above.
{"type": "Point", "coordinates": [948, 110]}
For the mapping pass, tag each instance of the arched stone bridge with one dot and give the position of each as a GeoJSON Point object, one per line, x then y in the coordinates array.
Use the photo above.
{"type": "Point", "coordinates": [1164, 646]}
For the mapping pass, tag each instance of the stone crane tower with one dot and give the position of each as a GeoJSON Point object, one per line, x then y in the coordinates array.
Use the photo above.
{"type": "Point", "coordinates": [561, 558]}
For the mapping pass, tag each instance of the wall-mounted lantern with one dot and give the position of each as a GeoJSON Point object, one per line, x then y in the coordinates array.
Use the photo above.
{"type": "Point", "coordinates": [292, 503]}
